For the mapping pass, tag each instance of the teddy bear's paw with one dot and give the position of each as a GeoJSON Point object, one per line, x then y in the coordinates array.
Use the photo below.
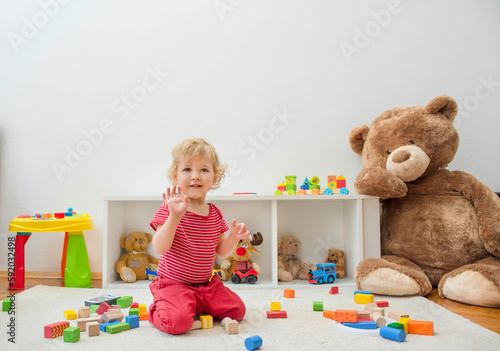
{"type": "Point", "coordinates": [128, 275]}
{"type": "Point", "coordinates": [398, 278]}
{"type": "Point", "coordinates": [284, 276]}
{"type": "Point", "coordinates": [474, 284]}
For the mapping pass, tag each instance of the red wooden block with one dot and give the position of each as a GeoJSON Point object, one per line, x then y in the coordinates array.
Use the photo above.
{"type": "Point", "coordinates": [365, 320]}
{"type": "Point", "coordinates": [276, 314]}
{"type": "Point", "coordinates": [103, 308]}
{"type": "Point", "coordinates": [54, 330]}
{"type": "Point", "coordinates": [382, 303]}
{"type": "Point", "coordinates": [135, 305]}
{"type": "Point", "coordinates": [334, 290]}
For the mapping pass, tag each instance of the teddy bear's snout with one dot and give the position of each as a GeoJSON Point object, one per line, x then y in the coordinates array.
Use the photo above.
{"type": "Point", "coordinates": [408, 162]}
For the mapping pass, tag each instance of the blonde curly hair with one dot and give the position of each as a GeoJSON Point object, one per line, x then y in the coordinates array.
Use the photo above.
{"type": "Point", "coordinates": [197, 147]}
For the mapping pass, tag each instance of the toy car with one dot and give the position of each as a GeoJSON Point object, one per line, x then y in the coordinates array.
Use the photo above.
{"type": "Point", "coordinates": [326, 273]}
{"type": "Point", "coordinates": [251, 276]}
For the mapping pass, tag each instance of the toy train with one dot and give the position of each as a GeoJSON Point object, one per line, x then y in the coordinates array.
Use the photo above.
{"type": "Point", "coordinates": [325, 273]}
{"type": "Point", "coordinates": [336, 185]}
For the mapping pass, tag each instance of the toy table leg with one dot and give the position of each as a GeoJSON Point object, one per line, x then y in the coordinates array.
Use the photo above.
{"type": "Point", "coordinates": [65, 250]}
{"type": "Point", "coordinates": [17, 278]}
{"type": "Point", "coordinates": [77, 271]}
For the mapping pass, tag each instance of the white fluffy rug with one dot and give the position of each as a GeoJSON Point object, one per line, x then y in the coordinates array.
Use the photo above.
{"type": "Point", "coordinates": [304, 329]}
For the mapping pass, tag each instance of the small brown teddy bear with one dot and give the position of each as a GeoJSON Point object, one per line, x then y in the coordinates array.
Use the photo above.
{"type": "Point", "coordinates": [289, 264]}
{"type": "Point", "coordinates": [337, 257]}
{"type": "Point", "coordinates": [132, 266]}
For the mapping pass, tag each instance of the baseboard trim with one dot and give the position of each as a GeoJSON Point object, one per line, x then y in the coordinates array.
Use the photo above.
{"type": "Point", "coordinates": [48, 275]}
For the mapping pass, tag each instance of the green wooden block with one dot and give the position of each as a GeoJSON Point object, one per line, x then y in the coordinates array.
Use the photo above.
{"type": "Point", "coordinates": [118, 327]}
{"type": "Point", "coordinates": [133, 311]}
{"type": "Point", "coordinates": [314, 186]}
{"type": "Point", "coordinates": [125, 301]}
{"type": "Point", "coordinates": [318, 305]}
{"type": "Point", "coordinates": [71, 334]}
{"type": "Point", "coordinates": [93, 308]}
{"type": "Point", "coordinates": [291, 187]}
{"type": "Point", "coordinates": [397, 326]}
{"type": "Point", "coordinates": [6, 305]}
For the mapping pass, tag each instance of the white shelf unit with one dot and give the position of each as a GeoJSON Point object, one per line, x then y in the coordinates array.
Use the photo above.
{"type": "Point", "coordinates": [346, 222]}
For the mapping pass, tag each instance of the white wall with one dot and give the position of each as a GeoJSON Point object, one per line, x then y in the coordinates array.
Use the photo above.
{"type": "Point", "coordinates": [224, 71]}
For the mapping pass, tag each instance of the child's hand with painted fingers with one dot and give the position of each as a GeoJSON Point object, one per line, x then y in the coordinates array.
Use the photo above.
{"type": "Point", "coordinates": [240, 231]}
{"type": "Point", "coordinates": [177, 203]}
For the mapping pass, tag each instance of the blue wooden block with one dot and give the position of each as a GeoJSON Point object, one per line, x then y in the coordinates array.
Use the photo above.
{"type": "Point", "coordinates": [362, 292]}
{"type": "Point", "coordinates": [362, 325]}
{"type": "Point", "coordinates": [393, 334]}
{"type": "Point", "coordinates": [103, 326]}
{"type": "Point", "coordinates": [253, 342]}
{"type": "Point", "coordinates": [133, 320]}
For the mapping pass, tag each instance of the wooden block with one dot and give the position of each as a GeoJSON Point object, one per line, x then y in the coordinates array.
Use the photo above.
{"type": "Point", "coordinates": [276, 314]}
{"type": "Point", "coordinates": [93, 329]}
{"type": "Point", "coordinates": [329, 314]}
{"type": "Point", "coordinates": [103, 308]}
{"type": "Point", "coordinates": [116, 307]}
{"type": "Point", "coordinates": [133, 311]}
{"type": "Point", "coordinates": [142, 308]}
{"type": "Point", "coordinates": [82, 323]}
{"type": "Point", "coordinates": [125, 301]}
{"type": "Point", "coordinates": [118, 327]}
{"type": "Point", "coordinates": [396, 315]}
{"type": "Point", "coordinates": [393, 334]}
{"type": "Point", "coordinates": [365, 320]}
{"type": "Point", "coordinates": [55, 330]}
{"type": "Point", "coordinates": [232, 327]}
{"type": "Point", "coordinates": [349, 316]}
{"type": "Point", "coordinates": [382, 303]}
{"type": "Point", "coordinates": [134, 305]}
{"type": "Point", "coordinates": [207, 321]}
{"type": "Point", "coordinates": [404, 321]}
{"type": "Point", "coordinates": [361, 325]}
{"type": "Point", "coordinates": [103, 326]}
{"type": "Point", "coordinates": [420, 327]}
{"type": "Point", "coordinates": [379, 319]}
{"type": "Point", "coordinates": [196, 325]}
{"type": "Point", "coordinates": [7, 304]}
{"type": "Point", "coordinates": [111, 316]}
{"type": "Point", "coordinates": [334, 290]}
{"type": "Point", "coordinates": [317, 305]}
{"type": "Point", "coordinates": [396, 326]}
{"type": "Point", "coordinates": [362, 292]}
{"type": "Point", "coordinates": [363, 298]}
{"type": "Point", "coordinates": [363, 315]}
{"type": "Point", "coordinates": [69, 314]}
{"type": "Point", "coordinates": [144, 316]}
{"type": "Point", "coordinates": [380, 310]}
{"type": "Point", "coordinates": [93, 308]}
{"type": "Point", "coordinates": [133, 321]}
{"type": "Point", "coordinates": [368, 308]}
{"type": "Point", "coordinates": [84, 312]}
{"type": "Point", "coordinates": [289, 293]}
{"type": "Point", "coordinates": [275, 306]}
{"type": "Point", "coordinates": [71, 334]}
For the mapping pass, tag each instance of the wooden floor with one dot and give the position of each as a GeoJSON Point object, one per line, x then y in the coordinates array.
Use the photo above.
{"type": "Point", "coordinates": [486, 317]}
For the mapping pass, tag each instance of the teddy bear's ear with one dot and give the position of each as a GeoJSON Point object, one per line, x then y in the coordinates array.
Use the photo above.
{"type": "Point", "coordinates": [149, 236]}
{"type": "Point", "coordinates": [122, 241]}
{"type": "Point", "coordinates": [280, 240]}
{"type": "Point", "coordinates": [443, 104]}
{"type": "Point", "coordinates": [357, 138]}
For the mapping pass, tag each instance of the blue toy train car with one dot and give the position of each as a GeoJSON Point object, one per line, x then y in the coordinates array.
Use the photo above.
{"type": "Point", "coordinates": [325, 273]}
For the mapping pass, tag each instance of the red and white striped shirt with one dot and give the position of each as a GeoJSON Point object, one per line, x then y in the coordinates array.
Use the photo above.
{"type": "Point", "coordinates": [191, 257]}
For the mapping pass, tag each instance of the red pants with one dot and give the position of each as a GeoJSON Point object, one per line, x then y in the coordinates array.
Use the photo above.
{"type": "Point", "coordinates": [175, 304]}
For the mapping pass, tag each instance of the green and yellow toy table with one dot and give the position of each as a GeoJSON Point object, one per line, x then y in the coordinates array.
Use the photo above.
{"type": "Point", "coordinates": [75, 268]}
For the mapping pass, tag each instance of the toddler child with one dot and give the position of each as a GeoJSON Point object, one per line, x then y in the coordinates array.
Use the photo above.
{"type": "Point", "coordinates": [189, 233]}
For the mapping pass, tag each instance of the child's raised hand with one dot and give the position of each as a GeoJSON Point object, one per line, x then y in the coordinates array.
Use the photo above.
{"type": "Point", "coordinates": [240, 231]}
{"type": "Point", "coordinates": [177, 204]}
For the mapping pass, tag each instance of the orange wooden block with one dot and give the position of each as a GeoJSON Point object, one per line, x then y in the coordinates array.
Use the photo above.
{"type": "Point", "coordinates": [329, 314]}
{"type": "Point", "coordinates": [144, 316]}
{"type": "Point", "coordinates": [420, 327]}
{"type": "Point", "coordinates": [290, 293]}
{"type": "Point", "coordinates": [350, 316]}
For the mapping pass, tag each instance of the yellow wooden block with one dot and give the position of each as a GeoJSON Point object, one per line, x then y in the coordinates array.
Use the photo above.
{"type": "Point", "coordinates": [70, 314]}
{"type": "Point", "coordinates": [275, 306]}
{"type": "Point", "coordinates": [404, 321]}
{"type": "Point", "coordinates": [363, 298]}
{"type": "Point", "coordinates": [207, 322]}
{"type": "Point", "coordinates": [142, 308]}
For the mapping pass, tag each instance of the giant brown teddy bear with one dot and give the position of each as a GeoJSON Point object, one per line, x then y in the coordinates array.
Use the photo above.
{"type": "Point", "coordinates": [438, 227]}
